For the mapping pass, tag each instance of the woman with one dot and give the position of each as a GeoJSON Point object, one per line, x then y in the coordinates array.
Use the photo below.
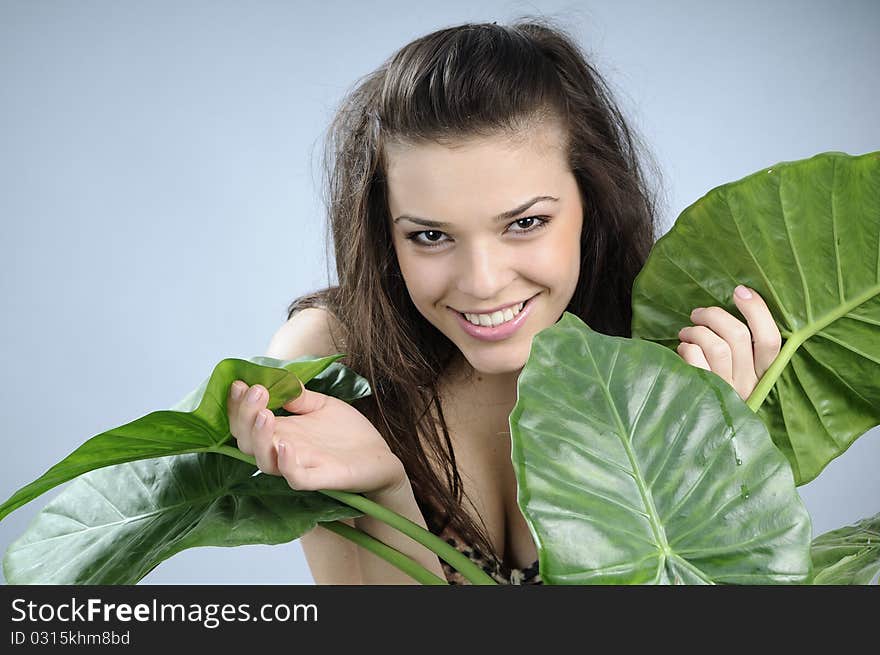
{"type": "Point", "coordinates": [482, 181]}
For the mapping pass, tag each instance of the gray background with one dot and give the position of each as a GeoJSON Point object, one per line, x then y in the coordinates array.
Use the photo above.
{"type": "Point", "coordinates": [160, 197]}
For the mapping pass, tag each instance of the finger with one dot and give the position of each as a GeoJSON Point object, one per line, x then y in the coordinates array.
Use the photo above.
{"type": "Point", "coordinates": [767, 341]}
{"type": "Point", "coordinates": [738, 340]}
{"type": "Point", "coordinates": [307, 401]}
{"type": "Point", "coordinates": [264, 449]}
{"type": "Point", "coordinates": [243, 411]}
{"type": "Point", "coordinates": [693, 355]}
{"type": "Point", "coordinates": [236, 391]}
{"type": "Point", "coordinates": [715, 350]}
{"type": "Point", "coordinates": [233, 400]}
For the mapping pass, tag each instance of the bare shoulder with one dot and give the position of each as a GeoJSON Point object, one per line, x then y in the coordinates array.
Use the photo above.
{"type": "Point", "coordinates": [312, 331]}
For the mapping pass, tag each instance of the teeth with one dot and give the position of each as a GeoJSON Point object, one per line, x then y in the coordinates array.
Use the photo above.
{"type": "Point", "coordinates": [495, 318]}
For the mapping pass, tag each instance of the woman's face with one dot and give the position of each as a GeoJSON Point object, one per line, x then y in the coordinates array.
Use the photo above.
{"type": "Point", "coordinates": [457, 257]}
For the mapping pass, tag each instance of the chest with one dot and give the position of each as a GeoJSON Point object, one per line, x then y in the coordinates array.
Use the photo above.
{"type": "Point", "coordinates": [480, 435]}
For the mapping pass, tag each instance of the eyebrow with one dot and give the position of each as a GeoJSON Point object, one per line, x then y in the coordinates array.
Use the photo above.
{"type": "Point", "coordinates": [510, 213]}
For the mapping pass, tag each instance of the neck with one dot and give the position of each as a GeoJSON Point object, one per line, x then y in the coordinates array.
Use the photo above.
{"type": "Point", "coordinates": [497, 389]}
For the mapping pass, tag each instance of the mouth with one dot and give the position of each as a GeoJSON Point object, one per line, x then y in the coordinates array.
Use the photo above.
{"type": "Point", "coordinates": [497, 332]}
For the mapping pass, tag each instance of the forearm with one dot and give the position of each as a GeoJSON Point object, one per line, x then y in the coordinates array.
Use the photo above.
{"type": "Point", "coordinates": [375, 570]}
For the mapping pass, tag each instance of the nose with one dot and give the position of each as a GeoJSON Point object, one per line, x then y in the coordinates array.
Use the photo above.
{"type": "Point", "coordinates": [484, 271]}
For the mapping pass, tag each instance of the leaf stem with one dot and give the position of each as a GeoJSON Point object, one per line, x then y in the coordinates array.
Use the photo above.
{"type": "Point", "coordinates": [232, 451]}
{"type": "Point", "coordinates": [432, 542]}
{"type": "Point", "coordinates": [435, 544]}
{"type": "Point", "coordinates": [762, 389]}
{"type": "Point", "coordinates": [389, 554]}
{"type": "Point", "coordinates": [771, 375]}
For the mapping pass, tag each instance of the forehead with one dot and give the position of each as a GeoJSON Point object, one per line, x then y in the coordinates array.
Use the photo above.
{"type": "Point", "coordinates": [475, 176]}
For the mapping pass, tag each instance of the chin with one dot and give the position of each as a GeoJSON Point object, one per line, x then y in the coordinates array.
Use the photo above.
{"type": "Point", "coordinates": [503, 362]}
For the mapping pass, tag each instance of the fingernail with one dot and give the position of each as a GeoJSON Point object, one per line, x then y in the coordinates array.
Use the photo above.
{"type": "Point", "coordinates": [254, 394]}
{"type": "Point", "coordinates": [696, 311]}
{"type": "Point", "coordinates": [742, 292]}
{"type": "Point", "coordinates": [280, 449]}
{"type": "Point", "coordinates": [237, 390]}
{"type": "Point", "coordinates": [261, 420]}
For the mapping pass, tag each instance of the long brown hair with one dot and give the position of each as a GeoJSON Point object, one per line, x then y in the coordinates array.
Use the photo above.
{"type": "Point", "coordinates": [455, 83]}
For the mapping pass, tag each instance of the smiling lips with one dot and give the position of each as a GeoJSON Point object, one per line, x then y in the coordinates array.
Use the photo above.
{"type": "Point", "coordinates": [495, 318]}
{"type": "Point", "coordinates": [498, 332]}
{"type": "Point", "coordinates": [493, 310]}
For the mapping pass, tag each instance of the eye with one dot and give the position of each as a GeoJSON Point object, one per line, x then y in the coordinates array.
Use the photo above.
{"type": "Point", "coordinates": [528, 224]}
{"type": "Point", "coordinates": [431, 235]}
{"type": "Point", "coordinates": [433, 241]}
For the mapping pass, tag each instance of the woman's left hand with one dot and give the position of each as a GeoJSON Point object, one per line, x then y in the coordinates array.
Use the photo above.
{"type": "Point", "coordinates": [723, 344]}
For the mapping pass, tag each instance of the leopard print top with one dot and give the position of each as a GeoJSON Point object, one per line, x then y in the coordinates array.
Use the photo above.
{"type": "Point", "coordinates": [501, 573]}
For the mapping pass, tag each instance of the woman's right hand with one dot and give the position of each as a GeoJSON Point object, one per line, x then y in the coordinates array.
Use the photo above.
{"type": "Point", "coordinates": [327, 444]}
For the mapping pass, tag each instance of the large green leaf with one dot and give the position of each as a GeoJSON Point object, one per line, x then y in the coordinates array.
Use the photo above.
{"type": "Point", "coordinates": [636, 467]}
{"type": "Point", "coordinates": [198, 423]}
{"type": "Point", "coordinates": [115, 524]}
{"type": "Point", "coordinates": [848, 555]}
{"type": "Point", "coordinates": [806, 236]}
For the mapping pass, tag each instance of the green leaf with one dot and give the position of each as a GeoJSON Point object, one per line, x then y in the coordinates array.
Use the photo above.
{"type": "Point", "coordinates": [848, 555]}
{"type": "Point", "coordinates": [636, 467]}
{"type": "Point", "coordinates": [115, 524]}
{"type": "Point", "coordinates": [336, 380]}
{"type": "Point", "coordinates": [806, 236]}
{"type": "Point", "coordinates": [198, 423]}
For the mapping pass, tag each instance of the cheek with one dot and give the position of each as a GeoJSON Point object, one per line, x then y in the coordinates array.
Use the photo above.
{"type": "Point", "coordinates": [558, 259]}
{"type": "Point", "coordinates": [423, 278]}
